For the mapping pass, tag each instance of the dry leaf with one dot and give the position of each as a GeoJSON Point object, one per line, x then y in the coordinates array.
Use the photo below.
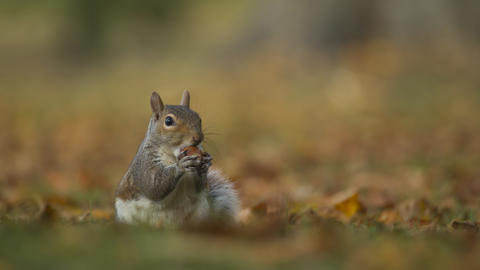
{"type": "Point", "coordinates": [253, 213]}
{"type": "Point", "coordinates": [389, 217]}
{"type": "Point", "coordinates": [25, 210]}
{"type": "Point", "coordinates": [467, 226]}
{"type": "Point", "coordinates": [259, 209]}
{"type": "Point", "coordinates": [95, 214]}
{"type": "Point", "coordinates": [102, 214]}
{"type": "Point", "coordinates": [419, 209]}
{"type": "Point", "coordinates": [49, 214]}
{"type": "Point", "coordinates": [347, 202]}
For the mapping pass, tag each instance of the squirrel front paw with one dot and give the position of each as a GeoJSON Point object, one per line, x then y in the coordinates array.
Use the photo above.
{"type": "Point", "coordinates": [200, 166]}
{"type": "Point", "coordinates": [193, 163]}
{"type": "Point", "coordinates": [206, 162]}
{"type": "Point", "coordinates": [190, 163]}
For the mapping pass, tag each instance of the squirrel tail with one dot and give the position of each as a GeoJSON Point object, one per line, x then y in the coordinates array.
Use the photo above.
{"type": "Point", "coordinates": [223, 197]}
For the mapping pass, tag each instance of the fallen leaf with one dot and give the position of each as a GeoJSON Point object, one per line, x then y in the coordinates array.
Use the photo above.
{"type": "Point", "coordinates": [262, 211]}
{"type": "Point", "coordinates": [417, 209]}
{"type": "Point", "coordinates": [95, 214]}
{"type": "Point", "coordinates": [259, 208]}
{"type": "Point", "coordinates": [102, 214]}
{"type": "Point", "coordinates": [244, 217]}
{"type": "Point", "coordinates": [389, 217]}
{"type": "Point", "coordinates": [25, 210]}
{"type": "Point", "coordinates": [467, 226]}
{"type": "Point", "coordinates": [48, 214]}
{"type": "Point", "coordinates": [347, 202]}
{"type": "Point", "coordinates": [252, 213]}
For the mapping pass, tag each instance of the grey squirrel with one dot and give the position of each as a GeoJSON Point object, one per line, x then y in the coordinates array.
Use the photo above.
{"type": "Point", "coordinates": [166, 187]}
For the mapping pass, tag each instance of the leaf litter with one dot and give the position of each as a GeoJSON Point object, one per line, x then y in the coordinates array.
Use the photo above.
{"type": "Point", "coordinates": [371, 184]}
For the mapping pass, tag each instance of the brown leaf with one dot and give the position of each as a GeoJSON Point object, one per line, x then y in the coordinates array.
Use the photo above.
{"type": "Point", "coordinates": [102, 214]}
{"type": "Point", "coordinates": [307, 216]}
{"type": "Point", "coordinates": [48, 214]}
{"type": "Point", "coordinates": [25, 210]}
{"type": "Point", "coordinates": [466, 226]}
{"type": "Point", "coordinates": [253, 213]}
{"type": "Point", "coordinates": [271, 227]}
{"type": "Point", "coordinates": [417, 209]}
{"type": "Point", "coordinates": [347, 202]}
{"type": "Point", "coordinates": [96, 214]}
{"type": "Point", "coordinates": [60, 201]}
{"type": "Point", "coordinates": [259, 208]}
{"type": "Point", "coordinates": [389, 217]}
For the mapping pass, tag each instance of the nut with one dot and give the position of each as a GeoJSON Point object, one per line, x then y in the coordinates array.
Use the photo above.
{"type": "Point", "coordinates": [191, 151]}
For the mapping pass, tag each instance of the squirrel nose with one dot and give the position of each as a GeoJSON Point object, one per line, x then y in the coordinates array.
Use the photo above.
{"type": "Point", "coordinates": [197, 138]}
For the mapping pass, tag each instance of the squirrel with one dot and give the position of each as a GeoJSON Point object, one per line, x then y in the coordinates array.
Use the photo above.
{"type": "Point", "coordinates": [166, 187]}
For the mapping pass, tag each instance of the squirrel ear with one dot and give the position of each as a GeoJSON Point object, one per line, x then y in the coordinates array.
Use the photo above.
{"type": "Point", "coordinates": [185, 99]}
{"type": "Point", "coordinates": [157, 105]}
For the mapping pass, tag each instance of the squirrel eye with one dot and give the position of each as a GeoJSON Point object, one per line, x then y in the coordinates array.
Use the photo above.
{"type": "Point", "coordinates": [168, 121]}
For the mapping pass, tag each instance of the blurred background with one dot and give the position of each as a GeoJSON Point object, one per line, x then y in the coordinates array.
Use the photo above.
{"type": "Point", "coordinates": [349, 127]}
{"type": "Point", "coordinates": [309, 98]}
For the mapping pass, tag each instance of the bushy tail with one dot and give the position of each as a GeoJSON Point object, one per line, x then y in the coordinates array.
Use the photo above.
{"type": "Point", "coordinates": [223, 197]}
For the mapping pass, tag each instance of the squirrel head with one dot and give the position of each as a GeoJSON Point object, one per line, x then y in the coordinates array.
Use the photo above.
{"type": "Point", "coordinates": [174, 127]}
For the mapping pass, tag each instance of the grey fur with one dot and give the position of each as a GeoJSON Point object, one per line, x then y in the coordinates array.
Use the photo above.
{"type": "Point", "coordinates": [223, 196]}
{"type": "Point", "coordinates": [155, 171]}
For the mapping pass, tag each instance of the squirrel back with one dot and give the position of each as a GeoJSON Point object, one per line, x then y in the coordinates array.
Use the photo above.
{"type": "Point", "coordinates": [164, 186]}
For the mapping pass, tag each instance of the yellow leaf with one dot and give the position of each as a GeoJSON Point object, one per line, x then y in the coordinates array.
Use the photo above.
{"type": "Point", "coordinates": [349, 206]}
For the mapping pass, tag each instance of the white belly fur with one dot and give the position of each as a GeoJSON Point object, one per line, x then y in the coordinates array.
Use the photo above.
{"type": "Point", "coordinates": [182, 205]}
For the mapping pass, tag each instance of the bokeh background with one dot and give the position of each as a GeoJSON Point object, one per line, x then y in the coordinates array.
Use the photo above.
{"type": "Point", "coordinates": [305, 100]}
